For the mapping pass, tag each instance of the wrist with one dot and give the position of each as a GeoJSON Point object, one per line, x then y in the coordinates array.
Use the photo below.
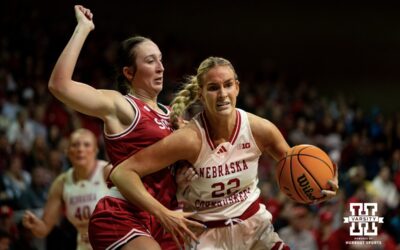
{"type": "Point", "coordinates": [83, 28]}
{"type": "Point", "coordinates": [159, 211]}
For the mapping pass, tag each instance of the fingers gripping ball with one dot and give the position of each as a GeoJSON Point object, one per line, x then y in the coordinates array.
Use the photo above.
{"type": "Point", "coordinates": [304, 172]}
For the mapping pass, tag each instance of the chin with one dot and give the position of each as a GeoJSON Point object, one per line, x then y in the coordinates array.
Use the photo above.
{"type": "Point", "coordinates": [225, 112]}
{"type": "Point", "coordinates": [158, 88]}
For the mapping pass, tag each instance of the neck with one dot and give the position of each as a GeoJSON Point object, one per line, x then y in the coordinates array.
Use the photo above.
{"type": "Point", "coordinates": [83, 172]}
{"type": "Point", "coordinates": [221, 127]}
{"type": "Point", "coordinates": [145, 97]}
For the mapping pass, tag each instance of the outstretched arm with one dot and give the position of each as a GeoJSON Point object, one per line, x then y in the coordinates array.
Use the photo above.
{"type": "Point", "coordinates": [272, 142]}
{"type": "Point", "coordinates": [51, 214]}
{"type": "Point", "coordinates": [183, 144]}
{"type": "Point", "coordinates": [77, 95]}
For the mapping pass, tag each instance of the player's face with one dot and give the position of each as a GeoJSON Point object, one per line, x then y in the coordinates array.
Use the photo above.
{"type": "Point", "coordinates": [149, 68]}
{"type": "Point", "coordinates": [219, 91]}
{"type": "Point", "coordinates": [82, 150]}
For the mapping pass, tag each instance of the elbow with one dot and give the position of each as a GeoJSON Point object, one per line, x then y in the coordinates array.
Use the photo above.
{"type": "Point", "coordinates": [55, 86]}
{"type": "Point", "coordinates": [119, 174]}
{"type": "Point", "coordinates": [58, 83]}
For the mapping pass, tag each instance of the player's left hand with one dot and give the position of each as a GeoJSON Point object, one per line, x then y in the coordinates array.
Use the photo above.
{"type": "Point", "coordinates": [179, 225]}
{"type": "Point", "coordinates": [330, 193]}
{"type": "Point", "coordinates": [185, 175]}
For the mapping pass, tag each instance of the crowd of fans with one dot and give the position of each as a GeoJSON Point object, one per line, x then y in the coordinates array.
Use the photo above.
{"type": "Point", "coordinates": [365, 143]}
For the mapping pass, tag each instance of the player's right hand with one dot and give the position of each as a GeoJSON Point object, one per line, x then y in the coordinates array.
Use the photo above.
{"type": "Point", "coordinates": [30, 220]}
{"type": "Point", "coordinates": [84, 16]}
{"type": "Point", "coordinates": [177, 223]}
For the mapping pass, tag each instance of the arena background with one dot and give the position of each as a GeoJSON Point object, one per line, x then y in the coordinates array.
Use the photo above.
{"type": "Point", "coordinates": [346, 54]}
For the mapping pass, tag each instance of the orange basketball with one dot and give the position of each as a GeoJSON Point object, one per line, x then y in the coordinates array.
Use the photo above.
{"type": "Point", "coordinates": [304, 172]}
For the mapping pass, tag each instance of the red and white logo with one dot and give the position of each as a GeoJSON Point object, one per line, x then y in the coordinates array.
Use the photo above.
{"type": "Point", "coordinates": [221, 150]}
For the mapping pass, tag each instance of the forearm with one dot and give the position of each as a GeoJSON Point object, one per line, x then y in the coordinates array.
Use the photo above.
{"type": "Point", "coordinates": [41, 229]}
{"type": "Point", "coordinates": [131, 187]}
{"type": "Point", "coordinates": [64, 68]}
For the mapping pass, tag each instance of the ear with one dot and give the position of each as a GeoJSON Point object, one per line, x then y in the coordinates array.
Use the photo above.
{"type": "Point", "coordinates": [237, 87]}
{"type": "Point", "coordinates": [128, 73]}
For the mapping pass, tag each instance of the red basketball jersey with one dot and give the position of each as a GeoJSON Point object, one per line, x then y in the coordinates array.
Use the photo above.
{"type": "Point", "coordinates": [148, 127]}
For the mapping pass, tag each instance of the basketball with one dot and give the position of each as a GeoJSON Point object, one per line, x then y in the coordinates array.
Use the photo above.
{"type": "Point", "coordinates": [304, 172]}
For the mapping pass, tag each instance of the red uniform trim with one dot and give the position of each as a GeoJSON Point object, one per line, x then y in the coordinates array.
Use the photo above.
{"type": "Point", "coordinates": [131, 127]}
{"type": "Point", "coordinates": [233, 136]}
{"type": "Point", "coordinates": [235, 133]}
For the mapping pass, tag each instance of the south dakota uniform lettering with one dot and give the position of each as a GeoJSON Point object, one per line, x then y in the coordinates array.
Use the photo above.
{"type": "Point", "coordinates": [81, 198]}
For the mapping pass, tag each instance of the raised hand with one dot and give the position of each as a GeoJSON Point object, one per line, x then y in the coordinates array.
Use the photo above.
{"type": "Point", "coordinates": [84, 16]}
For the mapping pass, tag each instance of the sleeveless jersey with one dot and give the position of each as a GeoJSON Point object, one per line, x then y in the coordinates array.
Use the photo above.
{"type": "Point", "coordinates": [228, 173]}
{"type": "Point", "coordinates": [81, 198]}
{"type": "Point", "coordinates": [148, 127]}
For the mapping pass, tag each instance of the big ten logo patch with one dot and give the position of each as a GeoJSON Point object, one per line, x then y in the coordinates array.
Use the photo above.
{"type": "Point", "coordinates": [363, 219]}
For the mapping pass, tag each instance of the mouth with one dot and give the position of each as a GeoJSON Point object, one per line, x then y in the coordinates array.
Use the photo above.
{"type": "Point", "coordinates": [158, 80]}
{"type": "Point", "coordinates": [223, 105]}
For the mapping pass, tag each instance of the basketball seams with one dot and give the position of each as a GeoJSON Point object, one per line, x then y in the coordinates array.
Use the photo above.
{"type": "Point", "coordinates": [315, 158]}
{"type": "Point", "coordinates": [293, 180]}
{"type": "Point", "coordinates": [309, 172]}
{"type": "Point", "coordinates": [283, 166]}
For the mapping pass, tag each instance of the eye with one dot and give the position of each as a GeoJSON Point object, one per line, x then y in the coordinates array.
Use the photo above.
{"type": "Point", "coordinates": [229, 84]}
{"type": "Point", "coordinates": [212, 87]}
{"type": "Point", "coordinates": [151, 60]}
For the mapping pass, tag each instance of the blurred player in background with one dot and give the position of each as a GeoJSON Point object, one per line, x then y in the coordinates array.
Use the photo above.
{"type": "Point", "coordinates": [75, 191]}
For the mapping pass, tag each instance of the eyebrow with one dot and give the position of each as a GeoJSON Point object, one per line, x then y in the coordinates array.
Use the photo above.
{"type": "Point", "coordinates": [229, 80]}
{"type": "Point", "coordinates": [153, 56]}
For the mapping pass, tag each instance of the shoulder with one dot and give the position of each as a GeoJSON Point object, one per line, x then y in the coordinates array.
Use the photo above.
{"type": "Point", "coordinates": [190, 132]}
{"type": "Point", "coordinates": [60, 179]}
{"type": "Point", "coordinates": [263, 130]}
{"type": "Point", "coordinates": [57, 187]}
{"type": "Point", "coordinates": [259, 125]}
{"type": "Point", "coordinates": [116, 97]}
{"type": "Point", "coordinates": [185, 141]}
{"type": "Point", "coordinates": [105, 167]}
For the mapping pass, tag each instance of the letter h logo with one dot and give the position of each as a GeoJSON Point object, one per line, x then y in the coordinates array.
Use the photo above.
{"type": "Point", "coordinates": [362, 220]}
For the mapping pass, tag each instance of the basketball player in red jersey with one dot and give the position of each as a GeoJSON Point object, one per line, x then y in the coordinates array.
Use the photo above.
{"type": "Point", "coordinates": [223, 143]}
{"type": "Point", "coordinates": [131, 122]}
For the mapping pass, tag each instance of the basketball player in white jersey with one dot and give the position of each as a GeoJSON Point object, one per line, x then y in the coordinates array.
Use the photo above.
{"type": "Point", "coordinates": [75, 191]}
{"type": "Point", "coordinates": [223, 144]}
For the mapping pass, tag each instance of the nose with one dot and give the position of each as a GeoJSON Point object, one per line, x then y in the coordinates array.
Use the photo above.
{"type": "Point", "coordinates": [222, 92]}
{"type": "Point", "coordinates": [160, 66]}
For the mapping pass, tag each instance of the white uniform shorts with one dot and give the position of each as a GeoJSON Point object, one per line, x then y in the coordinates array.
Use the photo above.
{"type": "Point", "coordinates": [255, 233]}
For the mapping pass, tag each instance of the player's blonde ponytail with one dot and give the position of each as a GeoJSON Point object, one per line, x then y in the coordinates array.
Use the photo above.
{"type": "Point", "coordinates": [183, 99]}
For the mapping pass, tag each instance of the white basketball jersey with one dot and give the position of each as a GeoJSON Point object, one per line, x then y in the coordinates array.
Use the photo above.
{"type": "Point", "coordinates": [228, 176]}
{"type": "Point", "coordinates": [80, 200]}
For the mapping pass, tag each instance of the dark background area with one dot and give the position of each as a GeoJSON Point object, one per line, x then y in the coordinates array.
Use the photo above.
{"type": "Point", "coordinates": [351, 48]}
{"type": "Point", "coordinates": [324, 72]}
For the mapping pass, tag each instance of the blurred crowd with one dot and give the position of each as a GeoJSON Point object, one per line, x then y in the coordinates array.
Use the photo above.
{"type": "Point", "coordinates": [34, 126]}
